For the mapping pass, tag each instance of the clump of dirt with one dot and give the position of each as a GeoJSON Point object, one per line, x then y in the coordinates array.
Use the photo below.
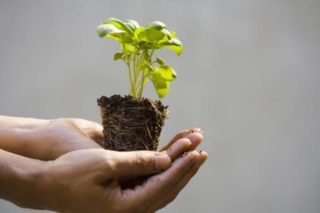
{"type": "Point", "coordinates": [131, 124]}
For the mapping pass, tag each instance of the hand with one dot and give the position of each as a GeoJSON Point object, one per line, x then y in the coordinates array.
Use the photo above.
{"type": "Point", "coordinates": [92, 179]}
{"type": "Point", "coordinates": [69, 134]}
{"type": "Point", "coordinates": [75, 170]}
{"type": "Point", "coordinates": [48, 140]}
{"type": "Point", "coordinates": [64, 135]}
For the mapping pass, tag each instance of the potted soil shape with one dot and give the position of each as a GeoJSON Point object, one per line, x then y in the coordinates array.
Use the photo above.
{"type": "Point", "coordinates": [134, 122]}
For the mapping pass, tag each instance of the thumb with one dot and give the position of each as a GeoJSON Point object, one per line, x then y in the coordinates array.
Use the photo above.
{"type": "Point", "coordinates": [141, 163]}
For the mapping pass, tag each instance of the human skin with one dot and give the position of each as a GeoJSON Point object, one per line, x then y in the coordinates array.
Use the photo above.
{"type": "Point", "coordinates": [59, 165]}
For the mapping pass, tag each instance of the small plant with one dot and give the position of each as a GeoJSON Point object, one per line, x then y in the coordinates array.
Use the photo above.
{"type": "Point", "coordinates": [138, 45]}
{"type": "Point", "coordinates": [134, 122]}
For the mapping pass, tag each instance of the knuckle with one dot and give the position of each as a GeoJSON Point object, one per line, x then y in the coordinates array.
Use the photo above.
{"type": "Point", "coordinates": [184, 141]}
{"type": "Point", "coordinates": [111, 166]}
{"type": "Point", "coordinates": [159, 180]}
{"type": "Point", "coordinates": [141, 162]}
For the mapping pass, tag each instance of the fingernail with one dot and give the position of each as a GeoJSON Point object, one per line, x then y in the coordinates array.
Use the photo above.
{"type": "Point", "coordinates": [204, 155]}
{"type": "Point", "coordinates": [187, 141]}
{"type": "Point", "coordinates": [200, 130]}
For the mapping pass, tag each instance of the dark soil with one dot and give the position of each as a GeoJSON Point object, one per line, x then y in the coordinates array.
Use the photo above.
{"type": "Point", "coordinates": [131, 124]}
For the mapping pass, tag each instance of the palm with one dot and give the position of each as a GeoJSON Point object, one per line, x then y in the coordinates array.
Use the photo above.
{"type": "Point", "coordinates": [68, 134]}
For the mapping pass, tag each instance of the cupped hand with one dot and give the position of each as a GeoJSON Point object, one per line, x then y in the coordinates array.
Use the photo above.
{"type": "Point", "coordinates": [64, 135]}
{"type": "Point", "coordinates": [88, 180]}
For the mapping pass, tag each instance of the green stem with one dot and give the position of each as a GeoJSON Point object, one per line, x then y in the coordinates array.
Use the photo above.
{"type": "Point", "coordinates": [143, 74]}
{"type": "Point", "coordinates": [135, 69]}
{"type": "Point", "coordinates": [133, 90]}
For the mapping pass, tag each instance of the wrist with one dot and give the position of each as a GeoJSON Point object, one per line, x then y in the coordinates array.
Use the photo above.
{"type": "Point", "coordinates": [34, 181]}
{"type": "Point", "coordinates": [21, 135]}
{"type": "Point", "coordinates": [22, 180]}
{"type": "Point", "coordinates": [48, 189]}
{"type": "Point", "coordinates": [41, 187]}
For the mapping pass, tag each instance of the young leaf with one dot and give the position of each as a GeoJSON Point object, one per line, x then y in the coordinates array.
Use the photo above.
{"type": "Point", "coordinates": [117, 56]}
{"type": "Point", "coordinates": [132, 24]}
{"type": "Point", "coordinates": [112, 32]}
{"type": "Point", "coordinates": [166, 72]}
{"type": "Point", "coordinates": [105, 29]}
{"type": "Point", "coordinates": [167, 33]}
{"type": "Point", "coordinates": [157, 25]}
{"type": "Point", "coordinates": [139, 34]}
{"type": "Point", "coordinates": [161, 86]}
{"type": "Point", "coordinates": [118, 24]}
{"type": "Point", "coordinates": [154, 35]}
{"type": "Point", "coordinates": [175, 45]}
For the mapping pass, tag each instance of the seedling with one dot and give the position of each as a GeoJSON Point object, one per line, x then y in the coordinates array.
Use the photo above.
{"type": "Point", "coordinates": [138, 46]}
{"type": "Point", "coordinates": [134, 122]}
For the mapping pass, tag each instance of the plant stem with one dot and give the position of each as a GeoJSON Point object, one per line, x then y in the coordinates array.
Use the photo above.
{"type": "Point", "coordinates": [138, 65]}
{"type": "Point", "coordinates": [143, 73]}
{"type": "Point", "coordinates": [133, 90]}
{"type": "Point", "coordinates": [135, 69]}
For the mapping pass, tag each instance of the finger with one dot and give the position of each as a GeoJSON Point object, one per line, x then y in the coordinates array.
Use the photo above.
{"type": "Point", "coordinates": [196, 139]}
{"type": "Point", "coordinates": [190, 142]}
{"type": "Point", "coordinates": [180, 135]}
{"type": "Point", "coordinates": [180, 146]}
{"type": "Point", "coordinates": [97, 137]}
{"type": "Point", "coordinates": [92, 129]}
{"type": "Point", "coordinates": [173, 193]}
{"type": "Point", "coordinates": [140, 163]}
{"type": "Point", "coordinates": [158, 185]}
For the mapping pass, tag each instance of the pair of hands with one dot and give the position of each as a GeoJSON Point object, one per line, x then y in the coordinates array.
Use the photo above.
{"type": "Point", "coordinates": [77, 175]}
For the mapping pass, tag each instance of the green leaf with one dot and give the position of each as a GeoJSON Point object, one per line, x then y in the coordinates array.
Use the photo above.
{"type": "Point", "coordinates": [105, 29]}
{"type": "Point", "coordinates": [118, 24]}
{"type": "Point", "coordinates": [167, 33]}
{"type": "Point", "coordinates": [157, 32]}
{"type": "Point", "coordinates": [161, 86]}
{"type": "Point", "coordinates": [126, 57]}
{"type": "Point", "coordinates": [112, 32]}
{"type": "Point", "coordinates": [154, 35]}
{"type": "Point", "coordinates": [117, 56]}
{"type": "Point", "coordinates": [175, 45]}
{"type": "Point", "coordinates": [157, 25]}
{"type": "Point", "coordinates": [139, 34]}
{"type": "Point", "coordinates": [128, 47]}
{"type": "Point", "coordinates": [120, 37]}
{"type": "Point", "coordinates": [132, 24]}
{"type": "Point", "coordinates": [172, 34]}
{"type": "Point", "coordinates": [166, 72]}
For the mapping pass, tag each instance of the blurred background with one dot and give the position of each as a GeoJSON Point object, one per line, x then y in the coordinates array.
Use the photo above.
{"type": "Point", "coordinates": [249, 76]}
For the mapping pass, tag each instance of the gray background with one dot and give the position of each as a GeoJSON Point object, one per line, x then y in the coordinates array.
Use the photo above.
{"type": "Point", "coordinates": [249, 76]}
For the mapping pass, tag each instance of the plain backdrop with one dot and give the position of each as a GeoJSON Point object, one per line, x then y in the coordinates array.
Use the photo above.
{"type": "Point", "coordinates": [249, 76]}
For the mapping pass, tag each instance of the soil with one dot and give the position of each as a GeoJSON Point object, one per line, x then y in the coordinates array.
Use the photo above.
{"type": "Point", "coordinates": [131, 124]}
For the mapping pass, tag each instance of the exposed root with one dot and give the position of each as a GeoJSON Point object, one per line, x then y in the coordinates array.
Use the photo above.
{"type": "Point", "coordinates": [130, 123]}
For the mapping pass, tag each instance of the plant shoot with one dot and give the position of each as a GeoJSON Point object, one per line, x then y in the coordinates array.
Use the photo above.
{"type": "Point", "coordinates": [138, 45]}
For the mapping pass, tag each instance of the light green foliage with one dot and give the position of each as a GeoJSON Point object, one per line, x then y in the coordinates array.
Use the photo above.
{"type": "Point", "coordinates": [138, 45]}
